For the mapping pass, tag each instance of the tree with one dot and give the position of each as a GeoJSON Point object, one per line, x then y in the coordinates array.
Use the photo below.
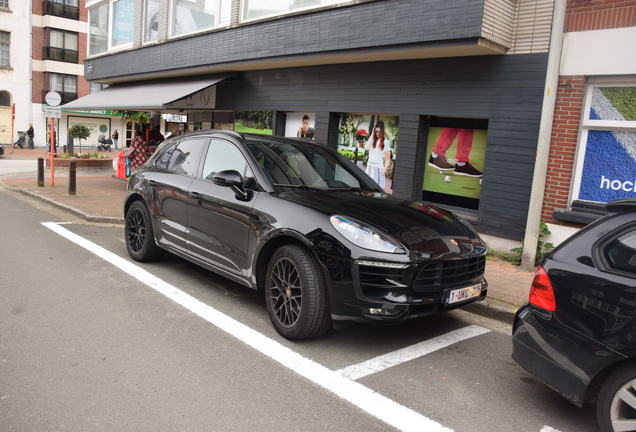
{"type": "Point", "coordinates": [80, 132]}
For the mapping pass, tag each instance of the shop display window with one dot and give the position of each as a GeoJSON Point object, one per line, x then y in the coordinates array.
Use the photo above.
{"type": "Point", "coordinates": [606, 156]}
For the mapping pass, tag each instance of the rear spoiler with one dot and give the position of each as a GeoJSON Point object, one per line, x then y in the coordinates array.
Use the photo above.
{"type": "Point", "coordinates": [621, 206]}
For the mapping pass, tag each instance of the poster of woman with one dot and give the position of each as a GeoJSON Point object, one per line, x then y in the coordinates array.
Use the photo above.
{"type": "Point", "coordinates": [370, 141]}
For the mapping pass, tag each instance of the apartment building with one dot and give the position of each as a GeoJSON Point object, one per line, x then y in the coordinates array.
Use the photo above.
{"type": "Point", "coordinates": [14, 67]}
{"type": "Point", "coordinates": [461, 79]}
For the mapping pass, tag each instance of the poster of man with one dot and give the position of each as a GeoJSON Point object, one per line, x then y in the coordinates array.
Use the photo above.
{"type": "Point", "coordinates": [299, 125]}
{"type": "Point", "coordinates": [370, 141]}
{"type": "Point", "coordinates": [455, 157]}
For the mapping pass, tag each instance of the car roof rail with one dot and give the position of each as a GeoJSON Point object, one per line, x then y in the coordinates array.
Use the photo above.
{"type": "Point", "coordinates": [622, 206]}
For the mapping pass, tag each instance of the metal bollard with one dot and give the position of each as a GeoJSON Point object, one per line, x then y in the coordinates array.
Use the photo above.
{"type": "Point", "coordinates": [41, 172]}
{"type": "Point", "coordinates": [72, 169]}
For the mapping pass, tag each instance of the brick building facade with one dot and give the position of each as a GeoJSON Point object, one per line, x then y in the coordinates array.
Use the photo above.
{"type": "Point", "coordinates": [597, 69]}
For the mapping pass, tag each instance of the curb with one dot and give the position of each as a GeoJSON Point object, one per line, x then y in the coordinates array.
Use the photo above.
{"type": "Point", "coordinates": [70, 209]}
{"type": "Point", "coordinates": [494, 308]}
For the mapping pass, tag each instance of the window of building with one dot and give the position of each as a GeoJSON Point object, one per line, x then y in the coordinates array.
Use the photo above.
{"type": "Point", "coordinates": [4, 4]}
{"type": "Point", "coordinates": [98, 29]}
{"type": "Point", "coordinates": [606, 158]}
{"type": "Point", "coordinates": [122, 25]}
{"type": "Point", "coordinates": [65, 85]}
{"type": "Point", "coordinates": [5, 47]}
{"type": "Point", "coordinates": [63, 8]}
{"type": "Point", "coordinates": [95, 87]}
{"type": "Point", "coordinates": [151, 20]}
{"type": "Point", "coordinates": [5, 99]}
{"type": "Point", "coordinates": [189, 16]}
{"type": "Point", "coordinates": [62, 46]}
{"type": "Point", "coordinates": [255, 9]}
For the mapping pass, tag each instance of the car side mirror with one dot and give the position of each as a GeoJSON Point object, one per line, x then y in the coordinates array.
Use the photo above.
{"type": "Point", "coordinates": [228, 178]}
{"type": "Point", "coordinates": [232, 179]}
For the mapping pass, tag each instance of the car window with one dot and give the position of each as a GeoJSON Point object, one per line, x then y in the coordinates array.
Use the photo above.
{"type": "Point", "coordinates": [223, 155]}
{"type": "Point", "coordinates": [164, 155]}
{"type": "Point", "coordinates": [185, 158]}
{"type": "Point", "coordinates": [297, 164]}
{"type": "Point", "coordinates": [621, 253]}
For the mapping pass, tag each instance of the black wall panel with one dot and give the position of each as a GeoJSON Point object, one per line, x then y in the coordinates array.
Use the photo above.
{"type": "Point", "coordinates": [507, 90]}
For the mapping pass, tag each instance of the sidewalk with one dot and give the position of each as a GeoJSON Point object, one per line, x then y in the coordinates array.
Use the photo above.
{"type": "Point", "coordinates": [100, 199]}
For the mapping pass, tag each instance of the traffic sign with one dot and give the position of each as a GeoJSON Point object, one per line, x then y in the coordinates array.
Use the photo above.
{"type": "Point", "coordinates": [53, 98]}
{"type": "Point", "coordinates": [53, 112]}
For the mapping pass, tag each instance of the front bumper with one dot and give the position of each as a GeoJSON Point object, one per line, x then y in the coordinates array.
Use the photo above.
{"type": "Point", "coordinates": [361, 292]}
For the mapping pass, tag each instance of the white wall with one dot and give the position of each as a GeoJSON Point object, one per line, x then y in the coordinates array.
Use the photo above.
{"type": "Point", "coordinates": [599, 52]}
{"type": "Point", "coordinates": [16, 80]}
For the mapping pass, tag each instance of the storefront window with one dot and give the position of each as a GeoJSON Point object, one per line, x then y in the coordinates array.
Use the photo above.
{"type": "Point", "coordinates": [455, 159]}
{"type": "Point", "coordinates": [123, 17]}
{"type": "Point", "coordinates": [151, 20]}
{"type": "Point", "coordinates": [98, 29]}
{"type": "Point", "coordinates": [370, 142]}
{"type": "Point", "coordinates": [189, 16]}
{"type": "Point", "coordinates": [606, 165]}
{"type": "Point", "coordinates": [253, 9]}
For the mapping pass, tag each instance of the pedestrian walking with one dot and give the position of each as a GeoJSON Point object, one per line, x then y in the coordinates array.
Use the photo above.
{"type": "Point", "coordinates": [30, 136]}
{"type": "Point", "coordinates": [115, 138]}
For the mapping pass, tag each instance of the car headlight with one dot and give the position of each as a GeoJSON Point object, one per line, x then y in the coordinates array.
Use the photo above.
{"type": "Point", "coordinates": [365, 237]}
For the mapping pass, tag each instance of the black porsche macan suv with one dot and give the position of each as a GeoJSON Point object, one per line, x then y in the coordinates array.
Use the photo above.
{"type": "Point", "coordinates": [303, 224]}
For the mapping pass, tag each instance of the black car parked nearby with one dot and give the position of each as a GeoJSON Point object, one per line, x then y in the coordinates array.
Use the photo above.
{"type": "Point", "coordinates": [578, 332]}
{"type": "Point", "coordinates": [303, 224]}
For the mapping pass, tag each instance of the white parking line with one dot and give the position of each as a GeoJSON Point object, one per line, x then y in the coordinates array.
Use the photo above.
{"type": "Point", "coordinates": [412, 352]}
{"type": "Point", "coordinates": [373, 403]}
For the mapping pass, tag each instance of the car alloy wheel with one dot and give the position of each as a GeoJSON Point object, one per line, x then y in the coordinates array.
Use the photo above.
{"type": "Point", "coordinates": [140, 239]}
{"type": "Point", "coordinates": [286, 292]}
{"type": "Point", "coordinates": [623, 408]}
{"type": "Point", "coordinates": [135, 230]}
{"type": "Point", "coordinates": [296, 294]}
{"type": "Point", "coordinates": [616, 401]}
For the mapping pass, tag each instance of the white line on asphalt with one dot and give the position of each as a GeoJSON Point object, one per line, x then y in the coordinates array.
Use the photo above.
{"type": "Point", "coordinates": [412, 352]}
{"type": "Point", "coordinates": [363, 397]}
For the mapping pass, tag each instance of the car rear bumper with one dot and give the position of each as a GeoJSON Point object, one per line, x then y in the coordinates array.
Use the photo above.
{"type": "Point", "coordinates": [562, 359]}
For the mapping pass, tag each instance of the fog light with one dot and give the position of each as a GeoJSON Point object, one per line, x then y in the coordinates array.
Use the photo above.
{"type": "Point", "coordinates": [382, 264]}
{"type": "Point", "coordinates": [383, 312]}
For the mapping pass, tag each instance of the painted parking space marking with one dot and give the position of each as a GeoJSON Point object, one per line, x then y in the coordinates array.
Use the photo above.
{"type": "Point", "coordinates": [547, 428]}
{"type": "Point", "coordinates": [394, 358]}
{"type": "Point", "coordinates": [370, 401]}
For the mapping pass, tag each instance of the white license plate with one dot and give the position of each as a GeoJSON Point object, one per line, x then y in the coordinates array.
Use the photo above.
{"type": "Point", "coordinates": [463, 294]}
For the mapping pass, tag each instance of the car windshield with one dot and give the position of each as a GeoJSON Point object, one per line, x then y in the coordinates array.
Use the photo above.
{"type": "Point", "coordinates": [302, 165]}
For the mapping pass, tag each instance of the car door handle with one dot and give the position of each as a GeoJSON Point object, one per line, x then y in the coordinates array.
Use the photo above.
{"type": "Point", "coordinates": [196, 195]}
{"type": "Point", "coordinates": [153, 183]}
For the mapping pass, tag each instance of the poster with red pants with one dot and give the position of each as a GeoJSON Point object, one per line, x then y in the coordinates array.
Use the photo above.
{"type": "Point", "coordinates": [464, 143]}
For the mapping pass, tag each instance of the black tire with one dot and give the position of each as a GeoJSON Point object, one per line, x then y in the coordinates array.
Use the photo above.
{"type": "Point", "coordinates": [139, 235]}
{"type": "Point", "coordinates": [299, 307]}
{"type": "Point", "coordinates": [606, 408]}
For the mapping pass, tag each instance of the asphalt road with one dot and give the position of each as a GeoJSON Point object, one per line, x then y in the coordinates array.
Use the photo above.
{"type": "Point", "coordinates": [86, 346]}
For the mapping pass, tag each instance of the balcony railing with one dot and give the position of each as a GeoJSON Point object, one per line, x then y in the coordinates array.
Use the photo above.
{"type": "Point", "coordinates": [66, 96]}
{"type": "Point", "coordinates": [61, 10]}
{"type": "Point", "coordinates": [59, 54]}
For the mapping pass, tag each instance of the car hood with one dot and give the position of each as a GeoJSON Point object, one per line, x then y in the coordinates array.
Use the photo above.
{"type": "Point", "coordinates": [424, 229]}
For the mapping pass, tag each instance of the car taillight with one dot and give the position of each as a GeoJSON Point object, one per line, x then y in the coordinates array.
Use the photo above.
{"type": "Point", "coordinates": [541, 292]}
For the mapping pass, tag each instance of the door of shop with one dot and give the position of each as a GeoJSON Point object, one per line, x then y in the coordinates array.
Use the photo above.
{"type": "Point", "coordinates": [5, 125]}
